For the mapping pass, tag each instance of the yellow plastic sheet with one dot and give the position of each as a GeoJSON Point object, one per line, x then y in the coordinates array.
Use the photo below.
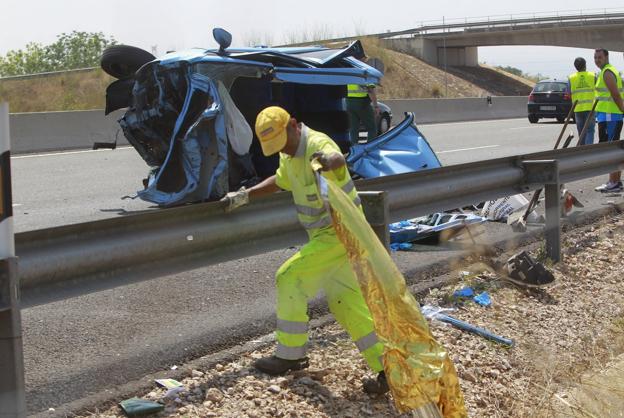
{"type": "Point", "coordinates": [421, 376]}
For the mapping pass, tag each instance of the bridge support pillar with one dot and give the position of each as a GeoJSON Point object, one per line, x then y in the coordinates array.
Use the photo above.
{"type": "Point", "coordinates": [433, 52]}
{"type": "Point", "coordinates": [458, 56]}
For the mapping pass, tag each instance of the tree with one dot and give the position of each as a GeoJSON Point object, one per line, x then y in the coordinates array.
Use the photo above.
{"type": "Point", "coordinates": [70, 51]}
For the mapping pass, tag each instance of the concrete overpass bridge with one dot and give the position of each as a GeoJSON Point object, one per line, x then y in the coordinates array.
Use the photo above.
{"type": "Point", "coordinates": [455, 43]}
{"type": "Point", "coordinates": [459, 41]}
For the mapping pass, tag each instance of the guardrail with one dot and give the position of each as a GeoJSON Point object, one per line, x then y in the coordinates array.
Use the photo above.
{"type": "Point", "coordinates": [56, 263]}
{"type": "Point", "coordinates": [101, 254]}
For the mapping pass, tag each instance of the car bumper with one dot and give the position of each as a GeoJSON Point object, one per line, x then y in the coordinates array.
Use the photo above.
{"type": "Point", "coordinates": [549, 110]}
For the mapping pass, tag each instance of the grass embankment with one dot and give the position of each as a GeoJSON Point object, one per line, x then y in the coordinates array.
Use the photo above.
{"type": "Point", "coordinates": [73, 90]}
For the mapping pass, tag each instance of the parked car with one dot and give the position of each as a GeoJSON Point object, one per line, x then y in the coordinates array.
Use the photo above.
{"type": "Point", "coordinates": [190, 114]}
{"type": "Point", "coordinates": [549, 99]}
{"type": "Point", "coordinates": [383, 120]}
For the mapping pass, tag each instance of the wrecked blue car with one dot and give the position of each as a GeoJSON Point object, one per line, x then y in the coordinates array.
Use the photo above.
{"type": "Point", "coordinates": [190, 114]}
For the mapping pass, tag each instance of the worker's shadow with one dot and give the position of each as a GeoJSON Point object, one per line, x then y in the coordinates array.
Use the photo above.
{"type": "Point", "coordinates": [351, 402]}
{"type": "Point", "coordinates": [541, 295]}
{"type": "Point", "coordinates": [308, 386]}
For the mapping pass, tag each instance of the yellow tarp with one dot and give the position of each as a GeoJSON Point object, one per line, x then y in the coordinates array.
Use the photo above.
{"type": "Point", "coordinates": [420, 374]}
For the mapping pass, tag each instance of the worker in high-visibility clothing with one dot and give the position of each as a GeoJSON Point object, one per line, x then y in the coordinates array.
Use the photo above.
{"type": "Point", "coordinates": [363, 109]}
{"type": "Point", "coordinates": [320, 264]}
{"type": "Point", "coordinates": [609, 111]}
{"type": "Point", "coordinates": [582, 84]}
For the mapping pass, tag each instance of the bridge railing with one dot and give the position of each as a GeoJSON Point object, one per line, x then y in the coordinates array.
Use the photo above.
{"type": "Point", "coordinates": [581, 17]}
{"type": "Point", "coordinates": [495, 22]}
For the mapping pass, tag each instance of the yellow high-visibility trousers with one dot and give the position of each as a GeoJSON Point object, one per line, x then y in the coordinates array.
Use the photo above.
{"type": "Point", "coordinates": [322, 264]}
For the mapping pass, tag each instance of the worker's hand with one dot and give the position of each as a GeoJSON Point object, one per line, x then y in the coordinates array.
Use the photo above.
{"type": "Point", "coordinates": [235, 199]}
{"type": "Point", "coordinates": [322, 161]}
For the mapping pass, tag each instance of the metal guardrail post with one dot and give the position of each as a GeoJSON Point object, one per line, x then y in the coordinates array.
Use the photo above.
{"type": "Point", "coordinates": [377, 212]}
{"type": "Point", "coordinates": [12, 388]}
{"type": "Point", "coordinates": [547, 172]}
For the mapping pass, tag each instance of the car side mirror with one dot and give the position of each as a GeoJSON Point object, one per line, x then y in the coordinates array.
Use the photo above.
{"type": "Point", "coordinates": [223, 38]}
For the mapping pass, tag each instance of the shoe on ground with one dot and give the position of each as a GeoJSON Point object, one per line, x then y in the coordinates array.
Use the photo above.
{"type": "Point", "coordinates": [377, 386]}
{"type": "Point", "coordinates": [275, 366]}
{"type": "Point", "coordinates": [610, 187]}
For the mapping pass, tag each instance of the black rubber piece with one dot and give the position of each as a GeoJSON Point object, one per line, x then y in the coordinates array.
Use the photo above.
{"type": "Point", "coordinates": [122, 61]}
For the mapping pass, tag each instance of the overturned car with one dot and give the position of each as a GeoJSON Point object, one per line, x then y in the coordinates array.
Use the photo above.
{"type": "Point", "coordinates": [190, 114]}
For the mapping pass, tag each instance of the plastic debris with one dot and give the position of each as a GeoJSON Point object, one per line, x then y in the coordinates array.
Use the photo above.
{"type": "Point", "coordinates": [432, 312]}
{"type": "Point", "coordinates": [433, 228]}
{"type": "Point", "coordinates": [466, 292]}
{"type": "Point", "coordinates": [483, 299]}
{"type": "Point", "coordinates": [401, 246]}
{"type": "Point", "coordinates": [173, 386]}
{"type": "Point", "coordinates": [135, 407]}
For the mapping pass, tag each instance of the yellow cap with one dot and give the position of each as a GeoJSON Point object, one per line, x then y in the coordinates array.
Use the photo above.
{"type": "Point", "coordinates": [271, 129]}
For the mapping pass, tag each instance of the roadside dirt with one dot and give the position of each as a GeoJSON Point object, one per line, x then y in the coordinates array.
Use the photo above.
{"type": "Point", "coordinates": [566, 361]}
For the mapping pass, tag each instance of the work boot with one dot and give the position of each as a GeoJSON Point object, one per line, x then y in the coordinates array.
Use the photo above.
{"type": "Point", "coordinates": [377, 386]}
{"type": "Point", "coordinates": [274, 365]}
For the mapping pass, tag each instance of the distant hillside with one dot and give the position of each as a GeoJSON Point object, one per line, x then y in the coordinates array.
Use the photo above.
{"type": "Point", "coordinates": [405, 77]}
{"type": "Point", "coordinates": [409, 77]}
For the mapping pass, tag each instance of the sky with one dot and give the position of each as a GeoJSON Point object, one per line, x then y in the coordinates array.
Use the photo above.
{"type": "Point", "coordinates": [159, 25]}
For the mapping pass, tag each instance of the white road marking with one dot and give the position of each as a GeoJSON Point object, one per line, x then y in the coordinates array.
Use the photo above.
{"type": "Point", "coordinates": [17, 204]}
{"type": "Point", "coordinates": [52, 154]}
{"type": "Point", "coordinates": [470, 123]}
{"type": "Point", "coordinates": [466, 149]}
{"type": "Point", "coordinates": [525, 127]}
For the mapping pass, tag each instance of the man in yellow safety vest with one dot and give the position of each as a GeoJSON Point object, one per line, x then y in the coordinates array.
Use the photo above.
{"type": "Point", "coordinates": [363, 109]}
{"type": "Point", "coordinates": [609, 111]}
{"type": "Point", "coordinates": [320, 264]}
{"type": "Point", "coordinates": [582, 85]}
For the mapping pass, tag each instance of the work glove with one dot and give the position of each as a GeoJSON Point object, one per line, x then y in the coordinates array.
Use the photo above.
{"type": "Point", "coordinates": [319, 161]}
{"type": "Point", "coordinates": [235, 199]}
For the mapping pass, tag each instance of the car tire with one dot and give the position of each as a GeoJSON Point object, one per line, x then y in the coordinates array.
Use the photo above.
{"type": "Point", "coordinates": [122, 61]}
{"type": "Point", "coordinates": [384, 124]}
{"type": "Point", "coordinates": [560, 119]}
{"type": "Point", "coordinates": [533, 118]}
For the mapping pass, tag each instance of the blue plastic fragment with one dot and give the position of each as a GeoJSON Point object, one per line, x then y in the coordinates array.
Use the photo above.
{"type": "Point", "coordinates": [483, 299]}
{"type": "Point", "coordinates": [401, 246]}
{"type": "Point", "coordinates": [466, 292]}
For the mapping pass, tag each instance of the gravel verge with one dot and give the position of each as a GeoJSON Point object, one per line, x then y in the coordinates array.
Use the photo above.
{"type": "Point", "coordinates": [561, 333]}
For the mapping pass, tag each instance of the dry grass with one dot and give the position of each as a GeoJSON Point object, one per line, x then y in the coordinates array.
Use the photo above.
{"type": "Point", "coordinates": [80, 90]}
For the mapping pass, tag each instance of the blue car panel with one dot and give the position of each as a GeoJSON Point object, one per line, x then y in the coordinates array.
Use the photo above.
{"type": "Point", "coordinates": [400, 150]}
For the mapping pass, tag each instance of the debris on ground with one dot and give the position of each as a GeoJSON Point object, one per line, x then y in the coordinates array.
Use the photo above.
{"type": "Point", "coordinates": [137, 407]}
{"type": "Point", "coordinates": [432, 312]}
{"type": "Point", "coordinates": [523, 270]}
{"type": "Point", "coordinates": [434, 228]}
{"type": "Point", "coordinates": [561, 333]}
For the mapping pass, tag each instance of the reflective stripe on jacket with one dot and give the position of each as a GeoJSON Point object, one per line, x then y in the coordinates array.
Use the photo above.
{"type": "Point", "coordinates": [582, 86]}
{"type": "Point", "coordinates": [357, 90]}
{"type": "Point", "coordinates": [606, 104]}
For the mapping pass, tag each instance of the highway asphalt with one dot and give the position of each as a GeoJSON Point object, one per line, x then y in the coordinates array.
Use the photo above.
{"type": "Point", "coordinates": [87, 344]}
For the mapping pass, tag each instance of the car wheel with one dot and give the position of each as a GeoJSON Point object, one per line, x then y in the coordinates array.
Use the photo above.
{"type": "Point", "coordinates": [384, 124]}
{"type": "Point", "coordinates": [122, 61]}
{"type": "Point", "coordinates": [560, 119]}
{"type": "Point", "coordinates": [533, 118]}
